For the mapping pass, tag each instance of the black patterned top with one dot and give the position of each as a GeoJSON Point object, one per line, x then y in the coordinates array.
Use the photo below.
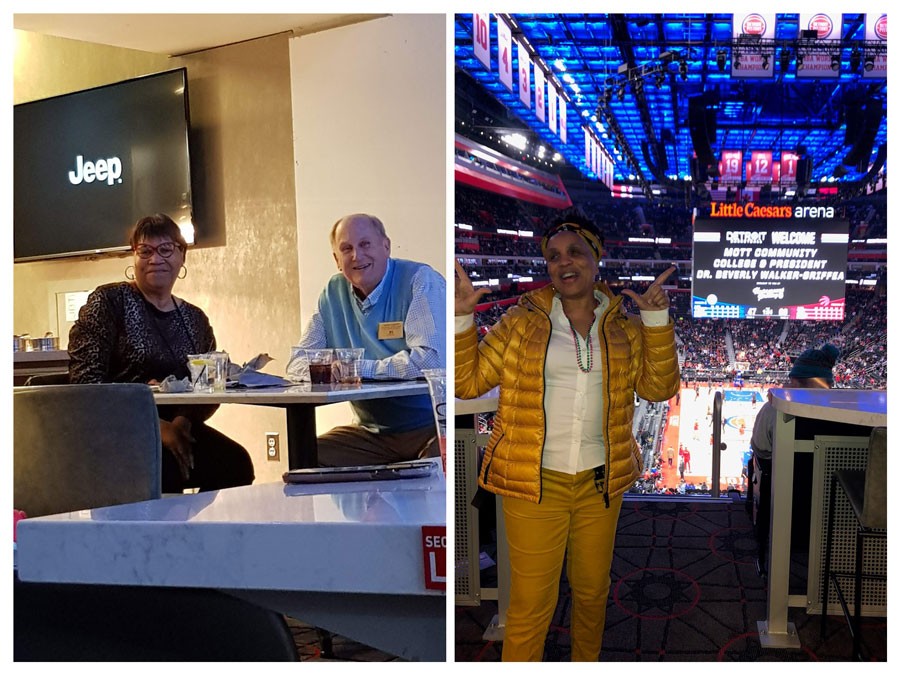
{"type": "Point", "coordinates": [121, 337]}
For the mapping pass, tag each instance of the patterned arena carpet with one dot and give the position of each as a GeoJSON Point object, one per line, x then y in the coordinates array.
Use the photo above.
{"type": "Point", "coordinates": [684, 588]}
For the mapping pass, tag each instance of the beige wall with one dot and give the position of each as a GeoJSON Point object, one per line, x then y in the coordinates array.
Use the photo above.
{"type": "Point", "coordinates": [241, 117]}
{"type": "Point", "coordinates": [367, 134]}
{"type": "Point", "coordinates": [370, 136]}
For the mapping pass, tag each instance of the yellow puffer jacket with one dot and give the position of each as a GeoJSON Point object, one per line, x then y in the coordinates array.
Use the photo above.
{"type": "Point", "coordinates": [634, 358]}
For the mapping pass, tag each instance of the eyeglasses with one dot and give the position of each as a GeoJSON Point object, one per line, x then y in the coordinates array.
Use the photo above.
{"type": "Point", "coordinates": [165, 250]}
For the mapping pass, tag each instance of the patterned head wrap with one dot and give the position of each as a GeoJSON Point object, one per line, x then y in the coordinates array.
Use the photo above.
{"type": "Point", "coordinates": [594, 242]}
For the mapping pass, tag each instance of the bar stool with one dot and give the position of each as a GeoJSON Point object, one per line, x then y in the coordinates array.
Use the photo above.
{"type": "Point", "coordinates": [867, 493]}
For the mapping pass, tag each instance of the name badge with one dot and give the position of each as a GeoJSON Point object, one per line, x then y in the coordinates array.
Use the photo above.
{"type": "Point", "coordinates": [390, 330]}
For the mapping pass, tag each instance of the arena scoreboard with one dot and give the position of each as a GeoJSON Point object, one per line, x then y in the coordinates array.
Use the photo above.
{"type": "Point", "coordinates": [785, 262]}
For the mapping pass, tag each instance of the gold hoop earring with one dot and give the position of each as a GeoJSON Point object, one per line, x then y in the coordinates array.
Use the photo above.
{"type": "Point", "coordinates": [183, 269]}
{"type": "Point", "coordinates": [130, 278]}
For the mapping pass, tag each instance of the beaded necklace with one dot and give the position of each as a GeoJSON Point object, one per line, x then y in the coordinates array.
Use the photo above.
{"type": "Point", "coordinates": [590, 349]}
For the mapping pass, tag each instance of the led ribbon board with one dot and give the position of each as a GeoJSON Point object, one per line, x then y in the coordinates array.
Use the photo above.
{"type": "Point", "coordinates": [755, 262]}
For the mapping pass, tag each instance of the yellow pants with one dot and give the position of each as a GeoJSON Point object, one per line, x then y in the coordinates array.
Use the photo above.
{"type": "Point", "coordinates": [571, 515]}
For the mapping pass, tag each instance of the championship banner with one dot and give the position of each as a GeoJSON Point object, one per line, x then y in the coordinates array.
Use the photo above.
{"type": "Point", "coordinates": [539, 108]}
{"type": "Point", "coordinates": [876, 31]}
{"type": "Point", "coordinates": [524, 75]}
{"type": "Point", "coordinates": [815, 63]}
{"type": "Point", "coordinates": [504, 53]}
{"type": "Point", "coordinates": [749, 61]}
{"type": "Point", "coordinates": [551, 105]}
{"type": "Point", "coordinates": [562, 120]}
{"type": "Point", "coordinates": [481, 38]}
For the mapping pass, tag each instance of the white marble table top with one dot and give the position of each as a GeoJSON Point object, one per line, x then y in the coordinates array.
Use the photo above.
{"type": "Point", "coordinates": [361, 537]}
{"type": "Point", "coordinates": [300, 393]}
{"type": "Point", "coordinates": [849, 406]}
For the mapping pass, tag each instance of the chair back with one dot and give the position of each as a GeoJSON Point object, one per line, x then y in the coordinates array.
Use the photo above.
{"type": "Point", "coordinates": [874, 514]}
{"type": "Point", "coordinates": [82, 446]}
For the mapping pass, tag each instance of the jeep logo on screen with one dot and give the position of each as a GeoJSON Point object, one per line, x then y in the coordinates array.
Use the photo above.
{"type": "Point", "coordinates": [109, 169]}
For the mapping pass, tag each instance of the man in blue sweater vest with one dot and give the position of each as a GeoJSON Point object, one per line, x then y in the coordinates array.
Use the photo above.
{"type": "Point", "coordinates": [395, 309]}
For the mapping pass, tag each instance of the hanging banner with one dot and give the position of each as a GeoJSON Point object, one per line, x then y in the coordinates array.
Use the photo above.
{"type": "Point", "coordinates": [587, 148]}
{"type": "Point", "coordinates": [562, 120]}
{"type": "Point", "coordinates": [539, 107]}
{"type": "Point", "coordinates": [504, 53]}
{"type": "Point", "coordinates": [730, 166]}
{"type": "Point", "coordinates": [752, 61]}
{"type": "Point", "coordinates": [876, 31]}
{"type": "Point", "coordinates": [759, 168]}
{"type": "Point", "coordinates": [551, 105]}
{"type": "Point", "coordinates": [524, 75]}
{"type": "Point", "coordinates": [481, 38]}
{"type": "Point", "coordinates": [789, 167]}
{"type": "Point", "coordinates": [817, 63]}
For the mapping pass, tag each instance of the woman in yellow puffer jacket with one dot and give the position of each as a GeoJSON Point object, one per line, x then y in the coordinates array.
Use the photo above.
{"type": "Point", "coordinates": [568, 361]}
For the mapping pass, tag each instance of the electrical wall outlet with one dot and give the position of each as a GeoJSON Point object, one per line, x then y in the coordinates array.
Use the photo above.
{"type": "Point", "coordinates": [273, 448]}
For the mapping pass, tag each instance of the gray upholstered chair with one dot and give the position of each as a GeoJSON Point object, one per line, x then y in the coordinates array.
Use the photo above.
{"type": "Point", "coordinates": [867, 493]}
{"type": "Point", "coordinates": [82, 446]}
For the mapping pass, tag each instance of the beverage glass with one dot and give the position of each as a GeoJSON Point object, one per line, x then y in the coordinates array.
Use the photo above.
{"type": "Point", "coordinates": [437, 388]}
{"type": "Point", "coordinates": [220, 370]}
{"type": "Point", "coordinates": [320, 365]}
{"type": "Point", "coordinates": [346, 365]}
{"type": "Point", "coordinates": [202, 370]}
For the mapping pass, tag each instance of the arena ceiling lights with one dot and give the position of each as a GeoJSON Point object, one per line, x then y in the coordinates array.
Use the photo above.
{"type": "Point", "coordinates": [678, 56]}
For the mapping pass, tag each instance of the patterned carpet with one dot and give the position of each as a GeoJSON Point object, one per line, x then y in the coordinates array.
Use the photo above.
{"type": "Point", "coordinates": [315, 645]}
{"type": "Point", "coordinates": [684, 588]}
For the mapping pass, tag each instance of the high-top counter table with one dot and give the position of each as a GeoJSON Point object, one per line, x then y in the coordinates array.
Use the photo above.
{"type": "Point", "coordinates": [345, 557]}
{"type": "Point", "coordinates": [300, 402]}
{"type": "Point", "coordinates": [846, 406]}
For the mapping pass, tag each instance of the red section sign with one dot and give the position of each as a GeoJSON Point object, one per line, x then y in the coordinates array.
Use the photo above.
{"type": "Point", "coordinates": [434, 553]}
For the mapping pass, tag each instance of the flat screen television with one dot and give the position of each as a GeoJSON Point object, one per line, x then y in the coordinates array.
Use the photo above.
{"type": "Point", "coordinates": [88, 165]}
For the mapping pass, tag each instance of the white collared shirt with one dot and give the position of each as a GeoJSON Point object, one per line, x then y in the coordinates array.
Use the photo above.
{"type": "Point", "coordinates": [573, 400]}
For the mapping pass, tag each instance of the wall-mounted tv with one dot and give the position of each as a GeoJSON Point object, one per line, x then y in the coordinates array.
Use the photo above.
{"type": "Point", "coordinates": [88, 165]}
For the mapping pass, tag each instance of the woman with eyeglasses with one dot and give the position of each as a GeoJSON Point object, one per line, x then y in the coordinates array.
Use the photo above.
{"type": "Point", "coordinates": [137, 331]}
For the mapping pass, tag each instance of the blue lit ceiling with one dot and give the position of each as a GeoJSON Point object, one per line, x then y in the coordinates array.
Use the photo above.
{"type": "Point", "coordinates": [777, 114]}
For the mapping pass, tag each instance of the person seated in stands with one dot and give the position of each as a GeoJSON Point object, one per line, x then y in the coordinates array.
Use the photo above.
{"type": "Point", "coordinates": [812, 370]}
{"type": "Point", "coordinates": [137, 331]}
{"type": "Point", "coordinates": [395, 310]}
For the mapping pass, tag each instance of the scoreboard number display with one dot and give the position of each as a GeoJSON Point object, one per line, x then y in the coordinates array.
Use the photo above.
{"type": "Point", "coordinates": [756, 262]}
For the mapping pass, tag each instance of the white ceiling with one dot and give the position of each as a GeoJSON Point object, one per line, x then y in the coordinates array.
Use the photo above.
{"type": "Point", "coordinates": [174, 34]}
